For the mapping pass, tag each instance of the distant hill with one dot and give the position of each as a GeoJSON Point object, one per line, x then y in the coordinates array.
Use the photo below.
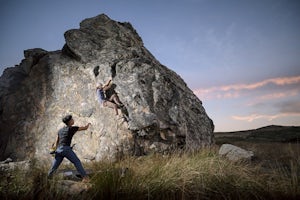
{"type": "Point", "coordinates": [270, 133]}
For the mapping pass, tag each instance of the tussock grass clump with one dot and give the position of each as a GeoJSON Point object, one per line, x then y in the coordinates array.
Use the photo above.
{"type": "Point", "coordinates": [198, 175]}
{"type": "Point", "coordinates": [27, 184]}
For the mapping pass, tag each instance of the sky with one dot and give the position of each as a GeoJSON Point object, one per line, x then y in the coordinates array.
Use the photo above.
{"type": "Point", "coordinates": [240, 57]}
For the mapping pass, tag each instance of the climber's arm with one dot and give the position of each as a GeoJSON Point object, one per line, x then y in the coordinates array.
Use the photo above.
{"type": "Point", "coordinates": [107, 85]}
{"type": "Point", "coordinates": [108, 82]}
{"type": "Point", "coordinates": [83, 128]}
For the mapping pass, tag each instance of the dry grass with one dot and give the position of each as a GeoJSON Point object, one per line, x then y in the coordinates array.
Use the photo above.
{"type": "Point", "coordinates": [201, 175]}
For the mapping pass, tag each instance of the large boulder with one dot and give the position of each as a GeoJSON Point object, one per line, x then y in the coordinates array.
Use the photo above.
{"type": "Point", "coordinates": [160, 112]}
{"type": "Point", "coordinates": [234, 153]}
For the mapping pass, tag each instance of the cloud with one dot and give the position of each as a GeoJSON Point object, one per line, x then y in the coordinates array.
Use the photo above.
{"type": "Point", "coordinates": [278, 95]}
{"type": "Point", "coordinates": [285, 109]}
{"type": "Point", "coordinates": [273, 96]}
{"type": "Point", "coordinates": [252, 117]}
{"type": "Point", "coordinates": [235, 90]}
{"type": "Point", "coordinates": [291, 107]}
{"type": "Point", "coordinates": [267, 100]}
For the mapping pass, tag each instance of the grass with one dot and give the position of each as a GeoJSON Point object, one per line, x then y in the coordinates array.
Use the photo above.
{"type": "Point", "coordinates": [201, 175]}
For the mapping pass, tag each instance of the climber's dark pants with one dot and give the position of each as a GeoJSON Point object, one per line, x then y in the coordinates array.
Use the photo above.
{"type": "Point", "coordinates": [66, 151]}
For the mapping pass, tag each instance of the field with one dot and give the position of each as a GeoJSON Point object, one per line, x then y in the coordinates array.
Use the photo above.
{"type": "Point", "coordinates": [273, 174]}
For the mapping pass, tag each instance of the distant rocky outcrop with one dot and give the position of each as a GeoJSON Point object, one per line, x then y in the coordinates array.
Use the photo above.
{"type": "Point", "coordinates": [160, 112]}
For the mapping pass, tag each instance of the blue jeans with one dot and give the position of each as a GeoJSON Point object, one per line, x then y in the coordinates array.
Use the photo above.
{"type": "Point", "coordinates": [66, 151]}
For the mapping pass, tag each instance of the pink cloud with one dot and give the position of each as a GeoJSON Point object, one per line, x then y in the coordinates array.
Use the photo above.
{"type": "Point", "coordinates": [232, 91]}
{"type": "Point", "coordinates": [279, 95]}
{"type": "Point", "coordinates": [276, 95]}
{"type": "Point", "coordinates": [252, 117]}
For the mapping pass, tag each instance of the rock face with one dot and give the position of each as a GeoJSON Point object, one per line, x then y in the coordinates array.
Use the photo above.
{"type": "Point", "coordinates": [160, 112]}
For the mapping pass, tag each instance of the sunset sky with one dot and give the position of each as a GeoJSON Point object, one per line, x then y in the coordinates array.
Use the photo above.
{"type": "Point", "coordinates": [240, 57]}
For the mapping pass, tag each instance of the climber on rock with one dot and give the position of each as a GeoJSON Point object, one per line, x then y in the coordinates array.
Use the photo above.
{"type": "Point", "coordinates": [63, 142]}
{"type": "Point", "coordinates": [112, 101]}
